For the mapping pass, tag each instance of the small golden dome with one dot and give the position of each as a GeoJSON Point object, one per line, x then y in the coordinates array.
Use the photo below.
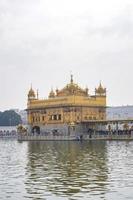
{"type": "Point", "coordinates": [31, 93]}
{"type": "Point", "coordinates": [51, 94]}
{"type": "Point", "coordinates": [100, 90]}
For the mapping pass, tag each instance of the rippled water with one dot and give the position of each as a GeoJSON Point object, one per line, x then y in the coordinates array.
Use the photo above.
{"type": "Point", "coordinates": [66, 170]}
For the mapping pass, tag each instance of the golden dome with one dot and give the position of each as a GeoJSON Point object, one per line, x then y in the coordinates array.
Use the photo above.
{"type": "Point", "coordinates": [31, 93]}
{"type": "Point", "coordinates": [100, 90]}
{"type": "Point", "coordinates": [51, 94]}
{"type": "Point", "coordinates": [72, 89]}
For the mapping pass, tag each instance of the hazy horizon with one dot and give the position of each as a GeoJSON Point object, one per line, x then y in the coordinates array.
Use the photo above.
{"type": "Point", "coordinates": [43, 41]}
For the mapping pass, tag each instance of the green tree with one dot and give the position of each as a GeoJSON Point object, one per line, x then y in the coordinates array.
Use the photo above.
{"type": "Point", "coordinates": [9, 118]}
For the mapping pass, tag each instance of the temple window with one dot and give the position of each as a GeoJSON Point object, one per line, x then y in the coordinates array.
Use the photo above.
{"type": "Point", "coordinates": [59, 117]}
{"type": "Point", "coordinates": [43, 118]}
{"type": "Point", "coordinates": [55, 117]}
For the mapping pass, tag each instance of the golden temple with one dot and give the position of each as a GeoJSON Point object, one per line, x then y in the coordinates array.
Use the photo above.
{"type": "Point", "coordinates": [70, 106]}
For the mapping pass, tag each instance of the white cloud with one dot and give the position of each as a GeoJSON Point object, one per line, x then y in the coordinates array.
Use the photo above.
{"type": "Point", "coordinates": [41, 41]}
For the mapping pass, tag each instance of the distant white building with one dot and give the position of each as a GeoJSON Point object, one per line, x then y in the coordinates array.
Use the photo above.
{"type": "Point", "coordinates": [119, 112]}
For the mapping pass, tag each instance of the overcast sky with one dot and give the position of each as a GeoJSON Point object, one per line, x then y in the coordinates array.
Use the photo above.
{"type": "Point", "coordinates": [42, 41]}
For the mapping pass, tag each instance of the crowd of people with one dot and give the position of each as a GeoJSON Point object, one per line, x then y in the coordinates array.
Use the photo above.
{"type": "Point", "coordinates": [8, 133]}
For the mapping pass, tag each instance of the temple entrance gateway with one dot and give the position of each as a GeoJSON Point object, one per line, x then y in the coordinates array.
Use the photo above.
{"type": "Point", "coordinates": [36, 130]}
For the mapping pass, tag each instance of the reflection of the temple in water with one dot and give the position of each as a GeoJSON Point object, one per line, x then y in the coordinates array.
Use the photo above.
{"type": "Point", "coordinates": [67, 168]}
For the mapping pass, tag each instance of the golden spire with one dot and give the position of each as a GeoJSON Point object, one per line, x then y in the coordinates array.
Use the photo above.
{"type": "Point", "coordinates": [31, 86]}
{"type": "Point", "coordinates": [57, 91]}
{"type": "Point", "coordinates": [31, 94]}
{"type": "Point", "coordinates": [71, 78]}
{"type": "Point", "coordinates": [100, 90]}
{"type": "Point", "coordinates": [51, 94]}
{"type": "Point", "coordinates": [100, 85]}
{"type": "Point", "coordinates": [37, 94]}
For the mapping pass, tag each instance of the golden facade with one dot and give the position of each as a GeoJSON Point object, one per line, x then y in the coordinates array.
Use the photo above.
{"type": "Point", "coordinates": [70, 105]}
